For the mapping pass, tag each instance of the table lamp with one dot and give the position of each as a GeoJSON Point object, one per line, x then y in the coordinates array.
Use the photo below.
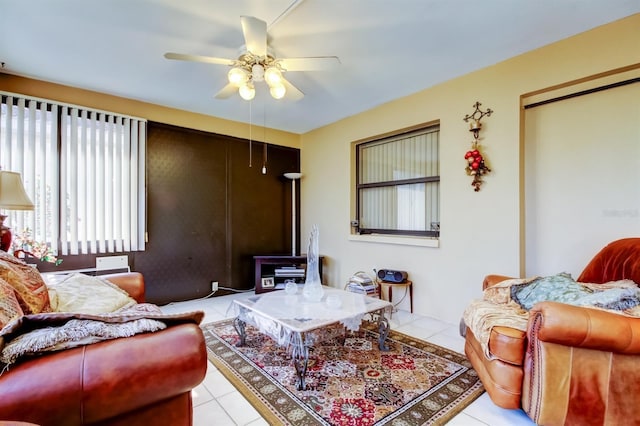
{"type": "Point", "coordinates": [12, 197]}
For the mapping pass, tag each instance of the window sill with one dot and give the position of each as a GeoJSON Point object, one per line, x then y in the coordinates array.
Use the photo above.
{"type": "Point", "coordinates": [391, 239]}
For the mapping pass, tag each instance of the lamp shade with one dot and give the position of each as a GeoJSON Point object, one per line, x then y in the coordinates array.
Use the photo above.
{"type": "Point", "coordinates": [293, 175]}
{"type": "Point", "coordinates": [12, 193]}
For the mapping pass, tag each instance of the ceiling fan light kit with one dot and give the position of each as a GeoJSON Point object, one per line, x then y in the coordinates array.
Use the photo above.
{"type": "Point", "coordinates": [257, 62]}
{"type": "Point", "coordinates": [250, 68]}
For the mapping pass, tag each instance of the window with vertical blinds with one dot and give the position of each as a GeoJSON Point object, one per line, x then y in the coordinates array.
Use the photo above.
{"type": "Point", "coordinates": [83, 169]}
{"type": "Point", "coordinates": [398, 184]}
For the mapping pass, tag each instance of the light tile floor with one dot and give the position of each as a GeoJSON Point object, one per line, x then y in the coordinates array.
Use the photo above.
{"type": "Point", "coordinates": [217, 402]}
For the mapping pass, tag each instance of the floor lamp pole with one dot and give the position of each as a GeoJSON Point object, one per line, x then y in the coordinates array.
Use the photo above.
{"type": "Point", "coordinates": [293, 177]}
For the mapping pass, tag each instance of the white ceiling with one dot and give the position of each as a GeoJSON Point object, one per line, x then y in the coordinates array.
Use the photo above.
{"type": "Point", "coordinates": [388, 49]}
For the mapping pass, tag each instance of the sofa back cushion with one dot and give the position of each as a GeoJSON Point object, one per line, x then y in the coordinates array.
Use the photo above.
{"type": "Point", "coordinates": [86, 294]}
{"type": "Point", "coordinates": [619, 260]}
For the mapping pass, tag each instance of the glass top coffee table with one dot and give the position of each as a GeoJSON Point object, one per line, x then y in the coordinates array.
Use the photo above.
{"type": "Point", "coordinates": [297, 324]}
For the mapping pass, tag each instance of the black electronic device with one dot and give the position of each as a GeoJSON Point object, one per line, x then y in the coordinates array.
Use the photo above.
{"type": "Point", "coordinates": [392, 276]}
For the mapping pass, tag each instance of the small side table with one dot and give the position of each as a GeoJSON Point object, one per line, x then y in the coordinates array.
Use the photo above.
{"type": "Point", "coordinates": [408, 288]}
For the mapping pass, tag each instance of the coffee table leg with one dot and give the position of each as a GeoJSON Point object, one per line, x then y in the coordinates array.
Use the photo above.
{"type": "Point", "coordinates": [239, 325]}
{"type": "Point", "coordinates": [300, 362]}
{"type": "Point", "coordinates": [383, 332]}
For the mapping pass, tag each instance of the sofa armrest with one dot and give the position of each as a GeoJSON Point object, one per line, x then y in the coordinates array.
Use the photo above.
{"type": "Point", "coordinates": [99, 382]}
{"type": "Point", "coordinates": [167, 363]}
{"type": "Point", "coordinates": [131, 282]}
{"type": "Point", "coordinates": [581, 366]}
{"type": "Point", "coordinates": [491, 280]}
{"type": "Point", "coordinates": [588, 328]}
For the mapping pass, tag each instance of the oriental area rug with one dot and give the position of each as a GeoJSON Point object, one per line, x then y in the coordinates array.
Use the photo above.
{"type": "Point", "coordinates": [349, 380]}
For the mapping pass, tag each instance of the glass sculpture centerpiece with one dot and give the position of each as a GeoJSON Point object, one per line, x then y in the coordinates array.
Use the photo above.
{"type": "Point", "coordinates": [312, 289]}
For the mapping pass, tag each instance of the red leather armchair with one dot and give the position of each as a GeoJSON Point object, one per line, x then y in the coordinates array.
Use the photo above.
{"type": "Point", "coordinates": [141, 380]}
{"type": "Point", "coordinates": [573, 365]}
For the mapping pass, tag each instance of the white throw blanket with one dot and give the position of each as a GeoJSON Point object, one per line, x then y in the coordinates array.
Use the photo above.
{"type": "Point", "coordinates": [481, 316]}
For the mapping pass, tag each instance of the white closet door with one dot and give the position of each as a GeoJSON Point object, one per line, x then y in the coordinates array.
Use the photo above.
{"type": "Point", "coordinates": [582, 178]}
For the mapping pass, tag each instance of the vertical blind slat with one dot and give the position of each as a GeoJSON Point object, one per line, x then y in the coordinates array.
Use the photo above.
{"type": "Point", "coordinates": [90, 187]}
{"type": "Point", "coordinates": [110, 196]}
{"type": "Point", "coordinates": [82, 183]}
{"type": "Point", "coordinates": [28, 174]}
{"type": "Point", "coordinates": [101, 185]}
{"type": "Point", "coordinates": [40, 230]}
{"type": "Point", "coordinates": [64, 130]}
{"type": "Point", "coordinates": [72, 181]}
{"type": "Point", "coordinates": [53, 211]}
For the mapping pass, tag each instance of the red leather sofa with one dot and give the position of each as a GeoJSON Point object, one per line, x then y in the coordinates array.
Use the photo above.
{"type": "Point", "coordinates": [141, 380]}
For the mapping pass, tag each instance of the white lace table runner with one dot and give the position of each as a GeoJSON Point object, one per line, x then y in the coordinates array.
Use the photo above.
{"type": "Point", "coordinates": [286, 317]}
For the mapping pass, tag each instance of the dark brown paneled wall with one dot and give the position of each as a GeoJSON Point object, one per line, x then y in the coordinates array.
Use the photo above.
{"type": "Point", "coordinates": [208, 212]}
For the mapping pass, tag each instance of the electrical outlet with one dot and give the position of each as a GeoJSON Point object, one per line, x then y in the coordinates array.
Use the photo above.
{"type": "Point", "coordinates": [214, 286]}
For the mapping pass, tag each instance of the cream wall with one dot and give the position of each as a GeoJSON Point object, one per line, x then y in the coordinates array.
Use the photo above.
{"type": "Point", "coordinates": [480, 232]}
{"type": "Point", "coordinates": [582, 158]}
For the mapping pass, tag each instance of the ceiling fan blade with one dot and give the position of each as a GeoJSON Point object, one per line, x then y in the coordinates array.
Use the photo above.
{"type": "Point", "coordinates": [196, 58]}
{"type": "Point", "coordinates": [317, 63]}
{"type": "Point", "coordinates": [293, 92]}
{"type": "Point", "coordinates": [255, 35]}
{"type": "Point", "coordinates": [227, 91]}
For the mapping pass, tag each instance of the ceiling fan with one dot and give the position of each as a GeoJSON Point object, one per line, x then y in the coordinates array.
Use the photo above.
{"type": "Point", "coordinates": [257, 63]}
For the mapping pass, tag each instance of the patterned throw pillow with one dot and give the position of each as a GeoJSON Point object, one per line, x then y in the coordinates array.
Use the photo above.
{"type": "Point", "coordinates": [30, 289]}
{"type": "Point", "coordinates": [9, 306]}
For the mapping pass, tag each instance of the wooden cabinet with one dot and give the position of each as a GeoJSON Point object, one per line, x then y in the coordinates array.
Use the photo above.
{"type": "Point", "coordinates": [272, 271]}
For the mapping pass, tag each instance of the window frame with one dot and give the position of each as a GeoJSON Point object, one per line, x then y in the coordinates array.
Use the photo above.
{"type": "Point", "coordinates": [130, 135]}
{"type": "Point", "coordinates": [399, 135]}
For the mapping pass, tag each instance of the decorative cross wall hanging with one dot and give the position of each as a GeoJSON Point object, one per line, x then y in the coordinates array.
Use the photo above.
{"type": "Point", "coordinates": [476, 164]}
